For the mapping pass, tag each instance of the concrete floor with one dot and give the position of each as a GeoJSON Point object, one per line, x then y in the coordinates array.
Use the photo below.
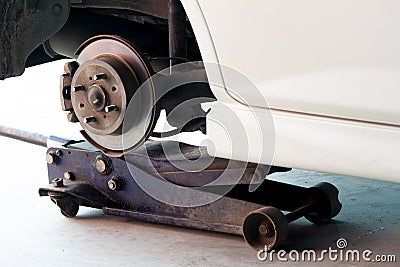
{"type": "Point", "coordinates": [34, 233]}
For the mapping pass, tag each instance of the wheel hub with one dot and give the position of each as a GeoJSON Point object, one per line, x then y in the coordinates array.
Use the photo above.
{"type": "Point", "coordinates": [101, 90]}
{"type": "Point", "coordinates": [109, 74]}
{"type": "Point", "coordinates": [97, 97]}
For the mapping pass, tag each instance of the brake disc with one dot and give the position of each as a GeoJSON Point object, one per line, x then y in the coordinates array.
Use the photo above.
{"type": "Point", "coordinates": [108, 77]}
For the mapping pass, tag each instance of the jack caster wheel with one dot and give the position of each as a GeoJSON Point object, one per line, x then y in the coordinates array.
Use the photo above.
{"type": "Point", "coordinates": [265, 228]}
{"type": "Point", "coordinates": [69, 207]}
{"type": "Point", "coordinates": [326, 203]}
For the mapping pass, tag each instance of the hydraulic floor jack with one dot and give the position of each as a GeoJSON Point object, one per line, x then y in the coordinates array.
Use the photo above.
{"type": "Point", "coordinates": [79, 175]}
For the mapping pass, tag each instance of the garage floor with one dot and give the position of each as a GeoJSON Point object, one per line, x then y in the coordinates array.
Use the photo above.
{"type": "Point", "coordinates": [34, 233]}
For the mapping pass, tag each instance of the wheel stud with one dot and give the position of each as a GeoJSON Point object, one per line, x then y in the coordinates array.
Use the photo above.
{"type": "Point", "coordinates": [99, 76]}
{"type": "Point", "coordinates": [79, 88]}
{"type": "Point", "coordinates": [111, 108]}
{"type": "Point", "coordinates": [90, 119]}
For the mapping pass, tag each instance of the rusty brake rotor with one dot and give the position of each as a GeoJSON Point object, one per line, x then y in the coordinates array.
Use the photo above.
{"type": "Point", "coordinates": [108, 77]}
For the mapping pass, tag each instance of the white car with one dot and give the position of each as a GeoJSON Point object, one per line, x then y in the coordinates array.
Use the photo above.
{"type": "Point", "coordinates": [330, 72]}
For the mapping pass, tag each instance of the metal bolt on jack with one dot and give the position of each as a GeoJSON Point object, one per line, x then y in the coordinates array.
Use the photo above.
{"type": "Point", "coordinates": [103, 165]}
{"type": "Point", "coordinates": [58, 182]}
{"type": "Point", "coordinates": [69, 176]}
{"type": "Point", "coordinates": [51, 158]}
{"type": "Point", "coordinates": [115, 184]}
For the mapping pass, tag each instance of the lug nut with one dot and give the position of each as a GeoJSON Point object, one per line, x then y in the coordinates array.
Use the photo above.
{"type": "Point", "coordinates": [99, 76]}
{"type": "Point", "coordinates": [90, 119]}
{"type": "Point", "coordinates": [111, 108]}
{"type": "Point", "coordinates": [115, 183]}
{"type": "Point", "coordinates": [103, 165]}
{"type": "Point", "coordinates": [51, 158]}
{"type": "Point", "coordinates": [58, 182]}
{"type": "Point", "coordinates": [69, 176]}
{"type": "Point", "coordinates": [79, 88]}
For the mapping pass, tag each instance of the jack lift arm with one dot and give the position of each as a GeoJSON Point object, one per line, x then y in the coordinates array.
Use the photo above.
{"type": "Point", "coordinates": [79, 175]}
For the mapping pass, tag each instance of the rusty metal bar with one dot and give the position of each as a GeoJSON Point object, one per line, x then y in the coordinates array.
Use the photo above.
{"type": "Point", "coordinates": [28, 137]}
{"type": "Point", "coordinates": [24, 136]}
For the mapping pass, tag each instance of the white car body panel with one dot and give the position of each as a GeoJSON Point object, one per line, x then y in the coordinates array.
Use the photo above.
{"type": "Point", "coordinates": [329, 71]}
